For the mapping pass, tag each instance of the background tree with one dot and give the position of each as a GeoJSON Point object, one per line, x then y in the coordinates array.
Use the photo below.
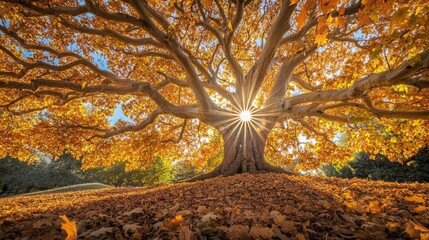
{"type": "Point", "coordinates": [18, 177]}
{"type": "Point", "coordinates": [260, 76]}
{"type": "Point", "coordinates": [413, 169]}
{"type": "Point", "coordinates": [116, 175]}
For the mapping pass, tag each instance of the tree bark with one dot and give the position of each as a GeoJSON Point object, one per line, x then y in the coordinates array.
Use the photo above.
{"type": "Point", "coordinates": [243, 153]}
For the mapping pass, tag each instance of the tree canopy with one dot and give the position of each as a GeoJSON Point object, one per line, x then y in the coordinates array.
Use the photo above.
{"type": "Point", "coordinates": [308, 73]}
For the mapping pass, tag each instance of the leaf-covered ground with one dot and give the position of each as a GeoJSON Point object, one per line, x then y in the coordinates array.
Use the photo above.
{"type": "Point", "coordinates": [264, 206]}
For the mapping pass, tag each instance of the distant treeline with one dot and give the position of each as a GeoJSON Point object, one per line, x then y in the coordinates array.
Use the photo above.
{"type": "Point", "coordinates": [17, 177]}
{"type": "Point", "coordinates": [413, 169]}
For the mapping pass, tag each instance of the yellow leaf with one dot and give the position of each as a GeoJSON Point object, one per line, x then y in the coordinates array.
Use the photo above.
{"type": "Point", "coordinates": [230, 26]}
{"type": "Point", "coordinates": [329, 19]}
{"type": "Point", "coordinates": [424, 236]}
{"type": "Point", "coordinates": [83, 85]}
{"type": "Point", "coordinates": [375, 207]}
{"type": "Point", "coordinates": [292, 2]}
{"type": "Point", "coordinates": [69, 227]}
{"type": "Point", "coordinates": [418, 10]}
{"type": "Point", "coordinates": [415, 198]}
{"type": "Point", "coordinates": [321, 39]}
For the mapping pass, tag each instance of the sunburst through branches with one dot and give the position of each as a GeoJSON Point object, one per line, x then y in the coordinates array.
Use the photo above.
{"type": "Point", "coordinates": [245, 116]}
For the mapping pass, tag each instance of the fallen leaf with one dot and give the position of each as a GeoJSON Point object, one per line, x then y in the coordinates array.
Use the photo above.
{"type": "Point", "coordinates": [209, 217]}
{"type": "Point", "coordinates": [173, 224]}
{"type": "Point", "coordinates": [102, 231]}
{"type": "Point", "coordinates": [135, 211]}
{"type": "Point", "coordinates": [415, 198]}
{"type": "Point", "coordinates": [69, 227]}
{"type": "Point", "coordinates": [419, 227]}
{"type": "Point", "coordinates": [420, 209]}
{"type": "Point", "coordinates": [239, 232]}
{"type": "Point", "coordinates": [202, 210]}
{"type": "Point", "coordinates": [131, 228]}
{"type": "Point", "coordinates": [186, 233]}
{"type": "Point", "coordinates": [261, 232]}
{"type": "Point", "coordinates": [300, 236]}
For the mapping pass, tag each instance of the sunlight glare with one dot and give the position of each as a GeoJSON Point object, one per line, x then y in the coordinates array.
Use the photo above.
{"type": "Point", "coordinates": [245, 116]}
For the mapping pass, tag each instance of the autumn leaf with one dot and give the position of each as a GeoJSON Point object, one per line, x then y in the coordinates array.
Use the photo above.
{"type": "Point", "coordinates": [261, 232]}
{"type": "Point", "coordinates": [230, 26]}
{"type": "Point", "coordinates": [69, 227]}
{"type": "Point", "coordinates": [342, 10]}
{"type": "Point", "coordinates": [301, 18]}
{"type": "Point", "coordinates": [414, 198]}
{"type": "Point", "coordinates": [420, 209]}
{"type": "Point", "coordinates": [321, 39]}
{"type": "Point", "coordinates": [209, 217]}
{"type": "Point", "coordinates": [173, 224]}
{"type": "Point", "coordinates": [375, 207]}
{"type": "Point", "coordinates": [340, 22]}
{"type": "Point", "coordinates": [208, 4]}
{"type": "Point", "coordinates": [292, 2]}
{"type": "Point", "coordinates": [419, 227]}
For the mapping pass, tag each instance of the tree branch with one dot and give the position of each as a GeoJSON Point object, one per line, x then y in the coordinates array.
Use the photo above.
{"type": "Point", "coordinates": [256, 74]}
{"type": "Point", "coordinates": [363, 85]}
{"type": "Point", "coordinates": [131, 128]}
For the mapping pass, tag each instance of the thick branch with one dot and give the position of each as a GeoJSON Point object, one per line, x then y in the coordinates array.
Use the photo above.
{"type": "Point", "coordinates": [278, 90]}
{"type": "Point", "coordinates": [131, 128]}
{"type": "Point", "coordinates": [256, 75]}
{"type": "Point", "coordinates": [360, 87]}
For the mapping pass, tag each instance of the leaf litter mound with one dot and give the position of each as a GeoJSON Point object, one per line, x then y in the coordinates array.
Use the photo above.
{"type": "Point", "coordinates": [245, 206]}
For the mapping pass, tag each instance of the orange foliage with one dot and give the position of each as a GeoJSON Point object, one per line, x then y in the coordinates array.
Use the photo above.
{"type": "Point", "coordinates": [64, 67]}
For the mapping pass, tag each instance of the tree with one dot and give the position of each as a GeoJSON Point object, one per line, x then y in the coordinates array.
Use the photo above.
{"type": "Point", "coordinates": [413, 169]}
{"type": "Point", "coordinates": [116, 175]}
{"type": "Point", "coordinates": [18, 177]}
{"type": "Point", "coordinates": [259, 76]}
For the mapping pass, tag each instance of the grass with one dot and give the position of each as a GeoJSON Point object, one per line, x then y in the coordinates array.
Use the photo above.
{"type": "Point", "coordinates": [71, 188]}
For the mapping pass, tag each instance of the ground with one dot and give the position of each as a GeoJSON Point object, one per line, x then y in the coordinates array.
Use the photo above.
{"type": "Point", "coordinates": [245, 206]}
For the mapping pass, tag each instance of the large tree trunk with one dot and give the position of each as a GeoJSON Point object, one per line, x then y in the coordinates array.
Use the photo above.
{"type": "Point", "coordinates": [243, 153]}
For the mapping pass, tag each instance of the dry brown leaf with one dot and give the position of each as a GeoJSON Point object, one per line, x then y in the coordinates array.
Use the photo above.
{"type": "Point", "coordinates": [102, 231]}
{"type": "Point", "coordinates": [239, 232]}
{"type": "Point", "coordinates": [300, 236]}
{"type": "Point", "coordinates": [202, 210]}
{"type": "Point", "coordinates": [186, 234]}
{"type": "Point", "coordinates": [261, 232]}
{"type": "Point", "coordinates": [135, 211]}
{"type": "Point", "coordinates": [131, 228]}
{"type": "Point", "coordinates": [209, 217]}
